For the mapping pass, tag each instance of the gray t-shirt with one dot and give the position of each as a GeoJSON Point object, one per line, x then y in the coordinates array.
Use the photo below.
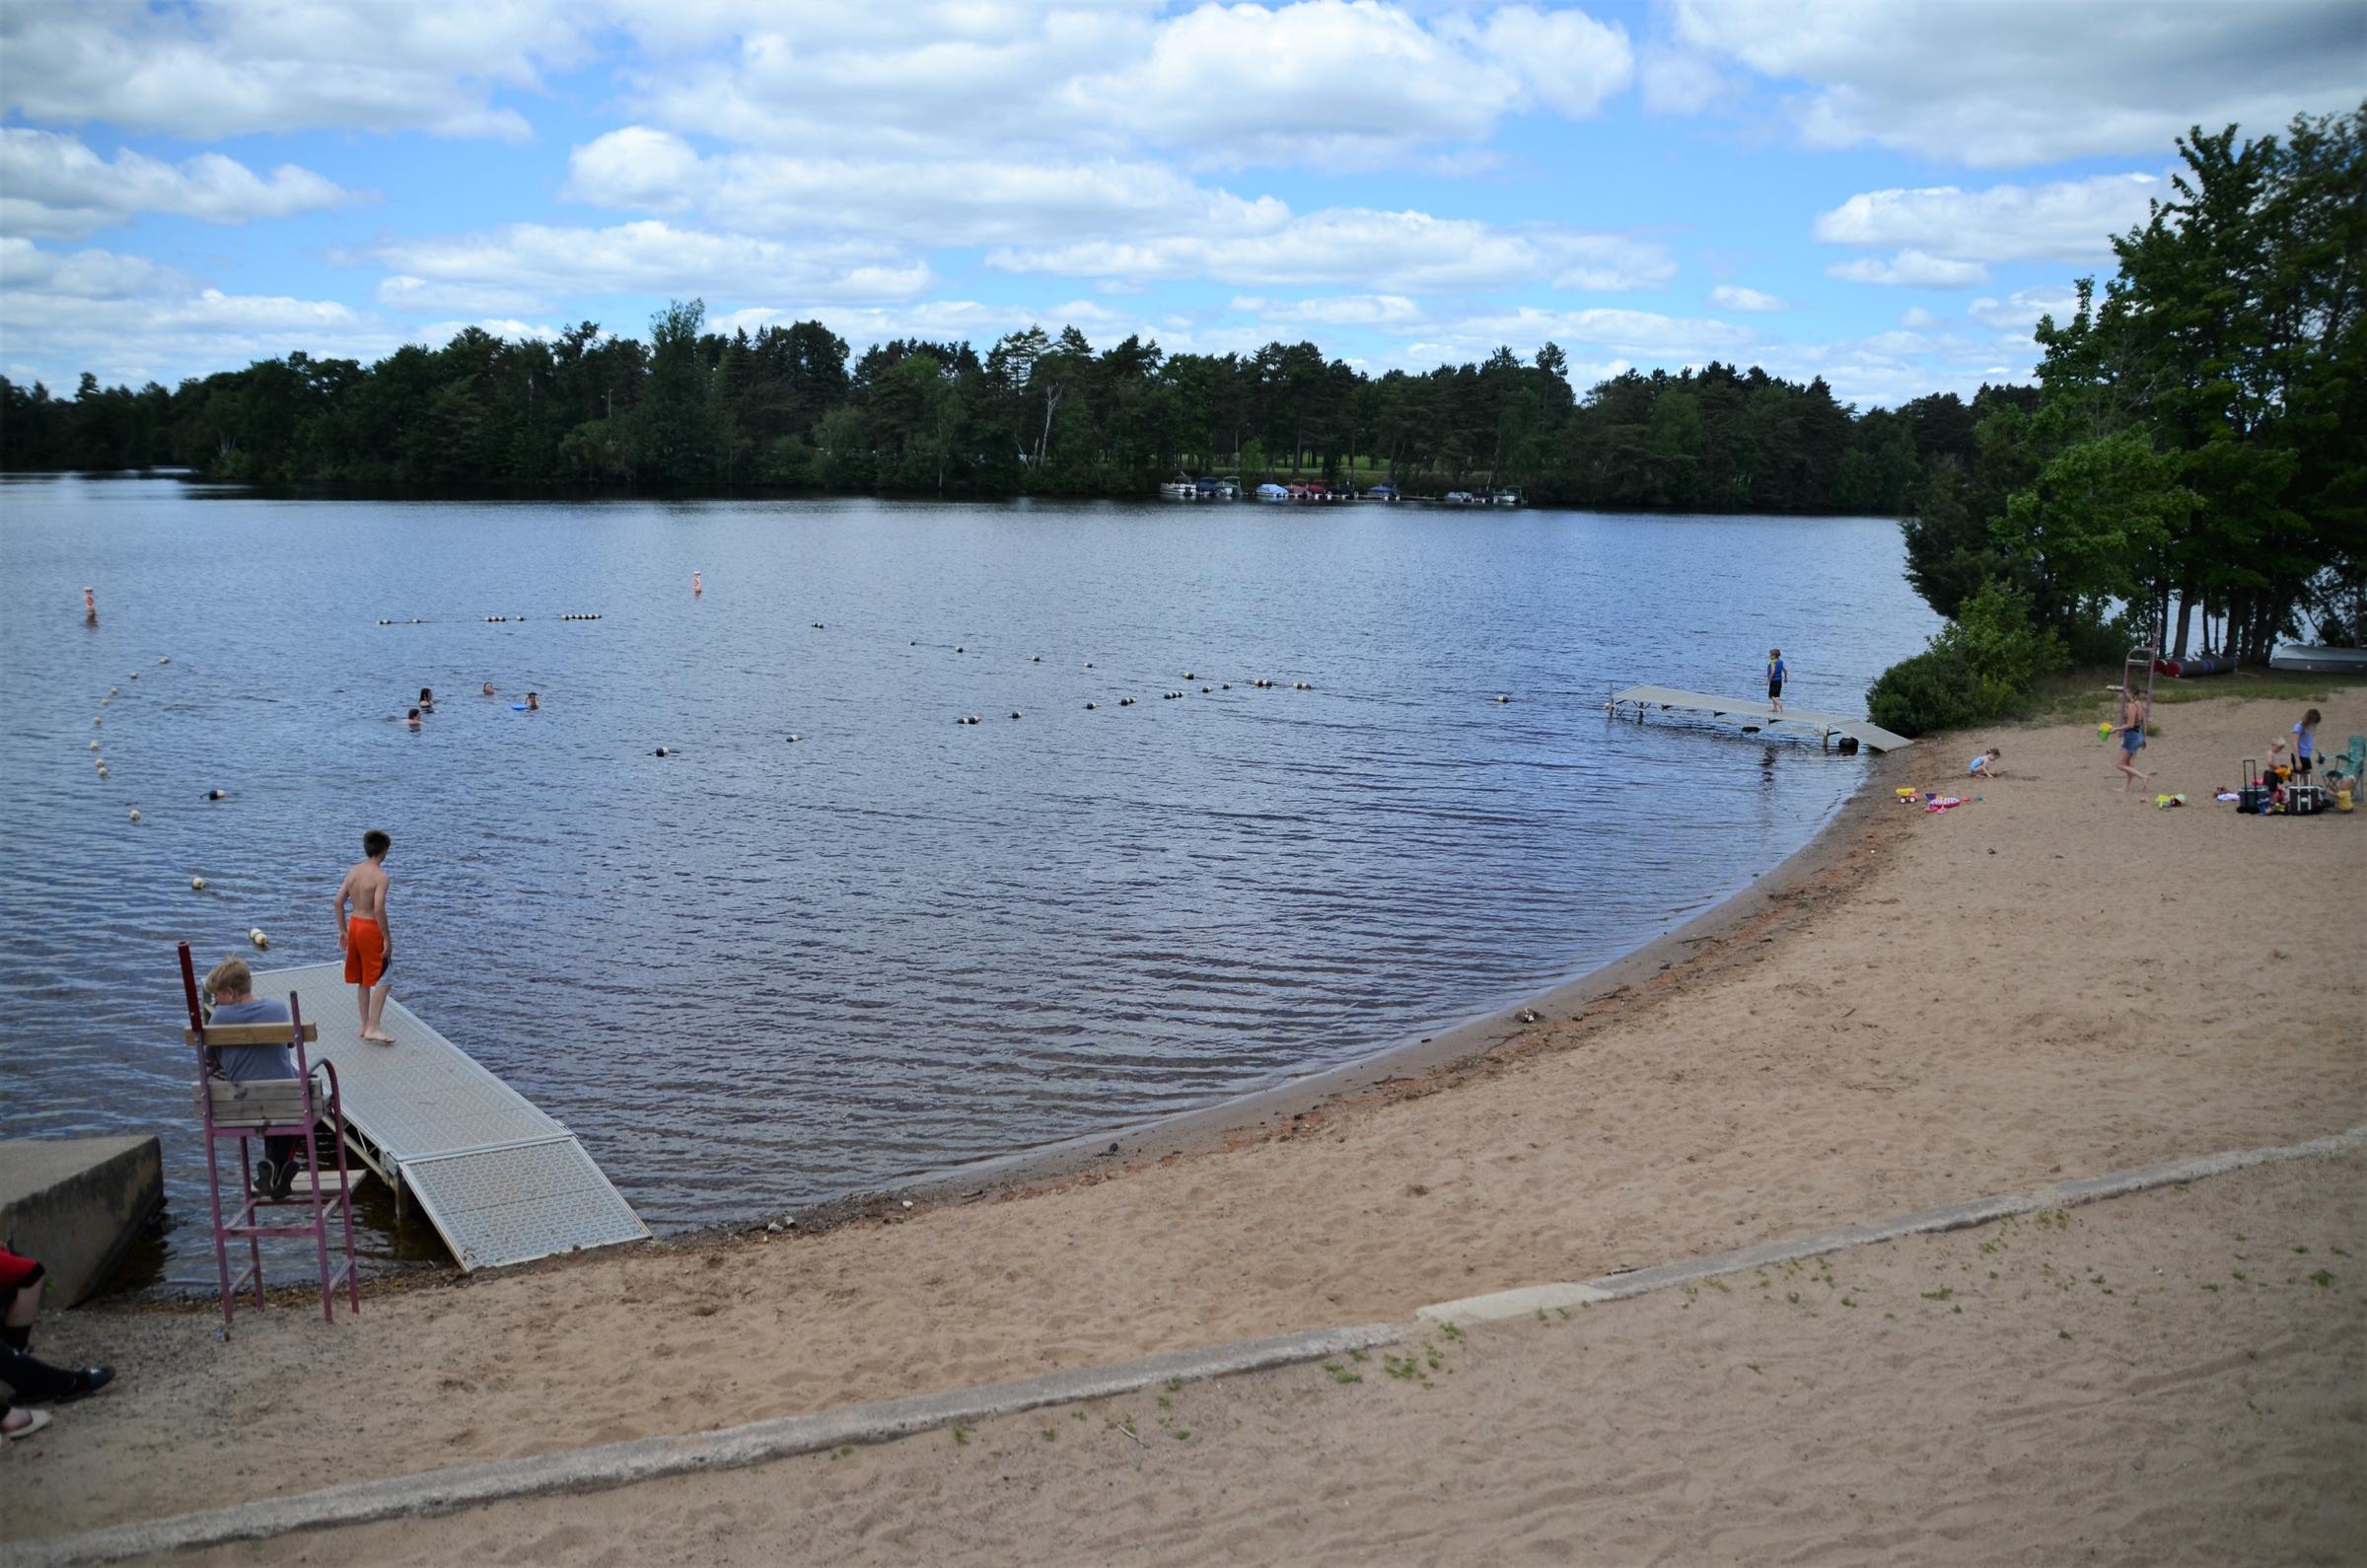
{"type": "Point", "coordinates": [244, 1063]}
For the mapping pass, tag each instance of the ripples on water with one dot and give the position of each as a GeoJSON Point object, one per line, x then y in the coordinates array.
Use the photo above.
{"type": "Point", "coordinates": [759, 973]}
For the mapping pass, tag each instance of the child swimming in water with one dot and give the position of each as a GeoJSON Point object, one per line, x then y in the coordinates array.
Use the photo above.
{"type": "Point", "coordinates": [411, 720]}
{"type": "Point", "coordinates": [489, 689]}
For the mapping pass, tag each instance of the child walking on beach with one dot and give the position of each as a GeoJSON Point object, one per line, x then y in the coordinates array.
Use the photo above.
{"type": "Point", "coordinates": [362, 931]}
{"type": "Point", "coordinates": [2132, 731]}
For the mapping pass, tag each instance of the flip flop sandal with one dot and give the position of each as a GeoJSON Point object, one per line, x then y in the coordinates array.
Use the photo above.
{"type": "Point", "coordinates": [40, 1419]}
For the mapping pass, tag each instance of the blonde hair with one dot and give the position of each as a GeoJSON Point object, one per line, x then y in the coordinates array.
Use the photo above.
{"type": "Point", "coordinates": [231, 976]}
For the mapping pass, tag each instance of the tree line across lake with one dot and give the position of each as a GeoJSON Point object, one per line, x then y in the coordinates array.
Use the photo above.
{"type": "Point", "coordinates": [1038, 413]}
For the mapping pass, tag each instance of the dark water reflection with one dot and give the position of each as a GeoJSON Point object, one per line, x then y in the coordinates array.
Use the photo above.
{"type": "Point", "coordinates": [759, 972]}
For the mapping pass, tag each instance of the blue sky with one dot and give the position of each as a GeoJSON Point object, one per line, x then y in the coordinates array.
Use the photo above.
{"type": "Point", "coordinates": [1884, 195]}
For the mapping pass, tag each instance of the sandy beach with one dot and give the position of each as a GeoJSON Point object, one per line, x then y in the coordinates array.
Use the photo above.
{"type": "Point", "coordinates": [2053, 981]}
{"type": "Point", "coordinates": [2162, 1379]}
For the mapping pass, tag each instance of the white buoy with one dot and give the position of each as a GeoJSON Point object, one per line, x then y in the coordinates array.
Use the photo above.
{"type": "Point", "coordinates": [94, 745]}
{"type": "Point", "coordinates": [255, 933]}
{"type": "Point", "coordinates": [163, 660]}
{"type": "Point", "coordinates": [95, 720]}
{"type": "Point", "coordinates": [102, 770]}
{"type": "Point", "coordinates": [198, 883]}
{"type": "Point", "coordinates": [135, 813]}
{"type": "Point", "coordinates": [112, 690]}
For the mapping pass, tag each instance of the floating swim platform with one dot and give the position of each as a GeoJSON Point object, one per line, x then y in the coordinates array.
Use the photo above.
{"type": "Point", "coordinates": [500, 1179]}
{"type": "Point", "coordinates": [1638, 700]}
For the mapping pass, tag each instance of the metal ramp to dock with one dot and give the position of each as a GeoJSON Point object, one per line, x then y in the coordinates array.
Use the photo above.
{"type": "Point", "coordinates": [1825, 726]}
{"type": "Point", "coordinates": [501, 1182]}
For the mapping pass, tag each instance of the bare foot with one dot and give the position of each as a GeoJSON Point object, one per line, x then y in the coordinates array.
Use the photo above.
{"type": "Point", "coordinates": [380, 1039]}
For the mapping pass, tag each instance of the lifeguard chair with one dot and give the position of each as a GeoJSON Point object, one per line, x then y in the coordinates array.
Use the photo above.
{"type": "Point", "coordinates": [295, 1107]}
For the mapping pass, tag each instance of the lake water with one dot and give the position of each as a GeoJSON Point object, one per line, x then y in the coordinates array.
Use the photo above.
{"type": "Point", "coordinates": [760, 973]}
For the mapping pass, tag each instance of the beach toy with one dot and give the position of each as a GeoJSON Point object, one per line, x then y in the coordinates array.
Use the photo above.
{"type": "Point", "coordinates": [517, 707]}
{"type": "Point", "coordinates": [2165, 802]}
{"type": "Point", "coordinates": [2104, 731]}
{"type": "Point", "coordinates": [1905, 795]}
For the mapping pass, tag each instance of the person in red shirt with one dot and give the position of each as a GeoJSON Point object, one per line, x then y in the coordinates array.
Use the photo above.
{"type": "Point", "coordinates": [27, 1380]}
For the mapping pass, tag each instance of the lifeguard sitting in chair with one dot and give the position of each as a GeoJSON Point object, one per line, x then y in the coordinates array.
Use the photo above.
{"type": "Point", "coordinates": [253, 1082]}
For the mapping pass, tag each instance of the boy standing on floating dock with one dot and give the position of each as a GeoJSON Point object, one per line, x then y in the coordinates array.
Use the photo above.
{"type": "Point", "coordinates": [363, 933]}
{"type": "Point", "coordinates": [1776, 679]}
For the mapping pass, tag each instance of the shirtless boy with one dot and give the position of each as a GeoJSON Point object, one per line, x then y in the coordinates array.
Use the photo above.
{"type": "Point", "coordinates": [363, 933]}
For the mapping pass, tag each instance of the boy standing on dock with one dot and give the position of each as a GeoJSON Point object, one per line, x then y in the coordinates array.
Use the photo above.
{"type": "Point", "coordinates": [1776, 679]}
{"type": "Point", "coordinates": [363, 933]}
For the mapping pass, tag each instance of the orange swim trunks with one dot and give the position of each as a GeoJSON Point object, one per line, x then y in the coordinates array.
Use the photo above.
{"type": "Point", "coordinates": [365, 952]}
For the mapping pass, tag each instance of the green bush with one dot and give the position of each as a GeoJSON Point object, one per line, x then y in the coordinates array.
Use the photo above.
{"type": "Point", "coordinates": [1978, 667]}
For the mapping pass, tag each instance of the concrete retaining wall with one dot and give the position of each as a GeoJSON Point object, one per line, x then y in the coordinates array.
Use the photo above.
{"type": "Point", "coordinates": [77, 1203]}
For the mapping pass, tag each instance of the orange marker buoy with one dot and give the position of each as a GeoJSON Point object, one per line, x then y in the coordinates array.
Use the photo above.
{"type": "Point", "coordinates": [90, 605]}
{"type": "Point", "coordinates": [696, 587]}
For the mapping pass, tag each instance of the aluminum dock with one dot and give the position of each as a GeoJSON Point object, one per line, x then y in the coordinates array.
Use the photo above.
{"type": "Point", "coordinates": [500, 1180]}
{"type": "Point", "coordinates": [1638, 700]}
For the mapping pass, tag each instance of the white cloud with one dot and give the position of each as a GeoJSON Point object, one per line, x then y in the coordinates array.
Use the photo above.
{"type": "Point", "coordinates": [1912, 268]}
{"type": "Point", "coordinates": [936, 201]}
{"type": "Point", "coordinates": [1919, 319]}
{"type": "Point", "coordinates": [219, 68]}
{"type": "Point", "coordinates": [1736, 297]}
{"type": "Point", "coordinates": [1392, 252]}
{"type": "Point", "coordinates": [1999, 86]}
{"type": "Point", "coordinates": [1391, 312]}
{"type": "Point", "coordinates": [638, 167]}
{"type": "Point", "coordinates": [56, 188]}
{"type": "Point", "coordinates": [2068, 220]}
{"type": "Point", "coordinates": [1335, 81]}
{"type": "Point", "coordinates": [128, 319]}
{"type": "Point", "coordinates": [1637, 334]}
{"type": "Point", "coordinates": [529, 262]}
{"type": "Point", "coordinates": [1679, 82]}
{"type": "Point", "coordinates": [2019, 311]}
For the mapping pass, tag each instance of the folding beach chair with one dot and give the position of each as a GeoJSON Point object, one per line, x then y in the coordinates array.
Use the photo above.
{"type": "Point", "coordinates": [301, 1107]}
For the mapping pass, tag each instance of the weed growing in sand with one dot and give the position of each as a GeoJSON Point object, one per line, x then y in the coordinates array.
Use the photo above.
{"type": "Point", "coordinates": [2051, 1219]}
{"type": "Point", "coordinates": [1181, 1436]}
{"type": "Point", "coordinates": [1564, 1313]}
{"type": "Point", "coordinates": [1848, 1301]}
{"type": "Point", "coordinates": [1405, 1369]}
{"type": "Point", "coordinates": [843, 1451]}
{"type": "Point", "coordinates": [1051, 1434]}
{"type": "Point", "coordinates": [1721, 1286]}
{"type": "Point", "coordinates": [1077, 1415]}
{"type": "Point", "coordinates": [1450, 1331]}
{"type": "Point", "coordinates": [962, 1437]}
{"type": "Point", "coordinates": [1166, 1403]}
{"type": "Point", "coordinates": [1753, 1366]}
{"type": "Point", "coordinates": [2337, 1251]}
{"type": "Point", "coordinates": [1175, 1385]}
{"type": "Point", "coordinates": [2239, 1273]}
{"type": "Point", "coordinates": [1340, 1374]}
{"type": "Point", "coordinates": [1942, 1294]}
{"type": "Point", "coordinates": [2321, 1279]}
{"type": "Point", "coordinates": [1792, 1296]}
{"type": "Point", "coordinates": [1128, 1424]}
{"type": "Point", "coordinates": [2063, 1333]}
{"type": "Point", "coordinates": [2212, 1285]}
{"type": "Point", "coordinates": [1541, 1318]}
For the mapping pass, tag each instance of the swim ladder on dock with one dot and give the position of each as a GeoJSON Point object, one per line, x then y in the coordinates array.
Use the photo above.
{"type": "Point", "coordinates": [1638, 699]}
{"type": "Point", "coordinates": [500, 1179]}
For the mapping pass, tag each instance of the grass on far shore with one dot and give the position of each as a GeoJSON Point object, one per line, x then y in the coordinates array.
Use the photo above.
{"type": "Point", "coordinates": [2081, 693]}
